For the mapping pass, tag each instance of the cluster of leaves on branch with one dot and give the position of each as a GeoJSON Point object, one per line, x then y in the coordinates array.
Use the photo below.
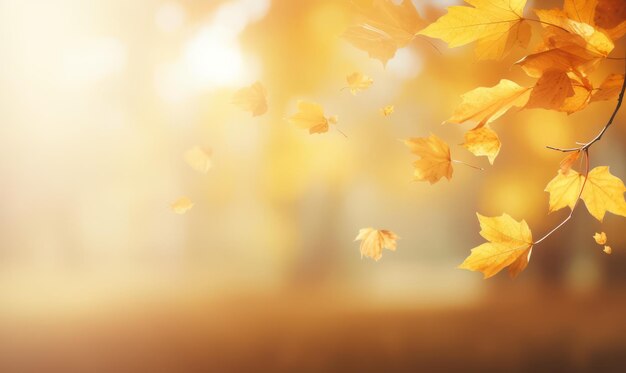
{"type": "Point", "coordinates": [574, 41]}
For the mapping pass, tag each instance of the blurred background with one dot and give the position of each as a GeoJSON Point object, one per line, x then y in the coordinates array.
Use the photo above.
{"type": "Point", "coordinates": [99, 100]}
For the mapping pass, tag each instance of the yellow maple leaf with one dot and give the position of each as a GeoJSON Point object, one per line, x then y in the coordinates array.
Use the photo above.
{"type": "Point", "coordinates": [182, 205]}
{"type": "Point", "coordinates": [604, 192]}
{"type": "Point", "coordinates": [583, 90]}
{"type": "Point", "coordinates": [387, 110]}
{"type": "Point", "coordinates": [198, 159]}
{"type": "Point", "coordinates": [358, 82]}
{"type": "Point", "coordinates": [486, 104]}
{"type": "Point", "coordinates": [252, 99]}
{"type": "Point", "coordinates": [509, 244]}
{"type": "Point", "coordinates": [311, 116]}
{"type": "Point", "coordinates": [373, 242]}
{"type": "Point", "coordinates": [496, 25]}
{"type": "Point", "coordinates": [609, 89]}
{"type": "Point", "coordinates": [600, 238]}
{"type": "Point", "coordinates": [483, 141]}
{"type": "Point", "coordinates": [383, 28]}
{"type": "Point", "coordinates": [608, 250]}
{"type": "Point", "coordinates": [435, 161]}
{"type": "Point", "coordinates": [551, 90]}
{"type": "Point", "coordinates": [564, 189]}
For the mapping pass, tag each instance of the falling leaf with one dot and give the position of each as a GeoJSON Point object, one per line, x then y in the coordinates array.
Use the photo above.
{"type": "Point", "coordinates": [383, 28]}
{"type": "Point", "coordinates": [600, 238]}
{"type": "Point", "coordinates": [568, 161]}
{"type": "Point", "coordinates": [604, 192]}
{"type": "Point", "coordinates": [609, 89]}
{"type": "Point", "coordinates": [311, 116]}
{"type": "Point", "coordinates": [252, 99]}
{"type": "Point", "coordinates": [358, 82]}
{"type": "Point", "coordinates": [182, 205]}
{"type": "Point", "coordinates": [510, 244]}
{"type": "Point", "coordinates": [484, 105]}
{"type": "Point", "coordinates": [496, 25]}
{"type": "Point", "coordinates": [198, 159]}
{"type": "Point", "coordinates": [564, 190]}
{"type": "Point", "coordinates": [608, 250]}
{"type": "Point", "coordinates": [435, 161]}
{"type": "Point", "coordinates": [373, 242]}
{"type": "Point", "coordinates": [387, 110]}
{"type": "Point", "coordinates": [551, 90]}
{"type": "Point", "coordinates": [483, 141]}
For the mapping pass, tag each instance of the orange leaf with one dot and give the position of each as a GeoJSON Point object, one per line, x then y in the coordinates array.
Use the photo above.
{"type": "Point", "coordinates": [551, 90]}
{"type": "Point", "coordinates": [483, 141]}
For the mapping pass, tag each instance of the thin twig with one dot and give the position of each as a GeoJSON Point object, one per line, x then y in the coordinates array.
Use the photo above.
{"type": "Point", "coordinates": [468, 165]}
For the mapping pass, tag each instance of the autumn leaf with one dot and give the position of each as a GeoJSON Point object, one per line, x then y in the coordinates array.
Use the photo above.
{"type": "Point", "coordinates": [568, 45]}
{"type": "Point", "coordinates": [564, 190]}
{"type": "Point", "coordinates": [486, 104]}
{"type": "Point", "coordinates": [435, 161]}
{"type": "Point", "coordinates": [483, 141]}
{"type": "Point", "coordinates": [583, 90]}
{"type": "Point", "coordinates": [600, 238]}
{"type": "Point", "coordinates": [583, 11]}
{"type": "Point", "coordinates": [252, 99]}
{"type": "Point", "coordinates": [373, 242]}
{"type": "Point", "coordinates": [358, 82]}
{"type": "Point", "coordinates": [604, 192]}
{"type": "Point", "coordinates": [551, 90]}
{"type": "Point", "coordinates": [198, 159]}
{"type": "Point", "coordinates": [383, 28]}
{"type": "Point", "coordinates": [509, 244]}
{"type": "Point", "coordinates": [311, 116]}
{"type": "Point", "coordinates": [387, 110]}
{"type": "Point", "coordinates": [496, 25]}
{"type": "Point", "coordinates": [566, 163]}
{"type": "Point", "coordinates": [610, 16]}
{"type": "Point", "coordinates": [182, 205]}
{"type": "Point", "coordinates": [609, 89]}
{"type": "Point", "coordinates": [608, 250]}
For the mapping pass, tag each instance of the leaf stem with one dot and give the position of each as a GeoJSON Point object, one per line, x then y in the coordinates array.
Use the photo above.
{"type": "Point", "coordinates": [468, 165]}
{"type": "Point", "coordinates": [588, 144]}
{"type": "Point", "coordinates": [571, 213]}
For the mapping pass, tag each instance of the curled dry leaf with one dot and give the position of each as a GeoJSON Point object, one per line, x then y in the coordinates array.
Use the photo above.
{"type": "Point", "coordinates": [311, 116]}
{"type": "Point", "coordinates": [486, 104]}
{"type": "Point", "coordinates": [600, 238]}
{"type": "Point", "coordinates": [483, 141]}
{"type": "Point", "coordinates": [252, 99]}
{"type": "Point", "coordinates": [199, 159]}
{"type": "Point", "coordinates": [608, 250]}
{"type": "Point", "coordinates": [182, 205]}
{"type": "Point", "coordinates": [373, 242]}
{"type": "Point", "coordinates": [567, 162]}
{"type": "Point", "coordinates": [509, 244]}
{"type": "Point", "coordinates": [435, 161]}
{"type": "Point", "coordinates": [358, 82]}
{"type": "Point", "coordinates": [383, 28]}
{"type": "Point", "coordinates": [496, 25]}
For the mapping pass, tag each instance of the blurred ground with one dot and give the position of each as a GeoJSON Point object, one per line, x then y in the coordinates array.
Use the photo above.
{"type": "Point", "coordinates": [512, 332]}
